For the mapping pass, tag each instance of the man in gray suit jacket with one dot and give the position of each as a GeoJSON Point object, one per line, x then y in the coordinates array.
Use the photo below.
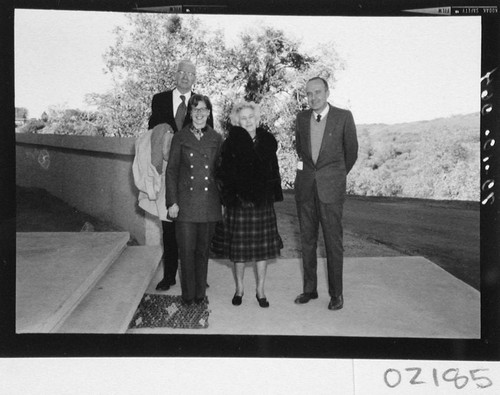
{"type": "Point", "coordinates": [327, 148]}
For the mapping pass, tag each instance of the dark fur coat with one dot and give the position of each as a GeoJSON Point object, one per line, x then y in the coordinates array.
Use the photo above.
{"type": "Point", "coordinates": [248, 173]}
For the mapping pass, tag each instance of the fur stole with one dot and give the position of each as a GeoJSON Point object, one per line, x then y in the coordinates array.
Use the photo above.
{"type": "Point", "coordinates": [248, 172]}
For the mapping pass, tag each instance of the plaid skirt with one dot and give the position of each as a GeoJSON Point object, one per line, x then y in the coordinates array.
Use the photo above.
{"type": "Point", "coordinates": [248, 234]}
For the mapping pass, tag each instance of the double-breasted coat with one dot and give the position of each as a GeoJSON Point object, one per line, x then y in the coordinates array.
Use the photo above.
{"type": "Point", "coordinates": [190, 178]}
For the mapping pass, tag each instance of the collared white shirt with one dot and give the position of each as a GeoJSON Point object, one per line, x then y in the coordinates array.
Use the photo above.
{"type": "Point", "coordinates": [323, 113]}
{"type": "Point", "coordinates": [176, 99]}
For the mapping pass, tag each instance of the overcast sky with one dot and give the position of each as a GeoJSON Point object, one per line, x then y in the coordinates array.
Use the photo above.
{"type": "Point", "coordinates": [397, 69]}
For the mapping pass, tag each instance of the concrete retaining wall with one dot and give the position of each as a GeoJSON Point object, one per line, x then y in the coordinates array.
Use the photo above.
{"type": "Point", "coordinates": [92, 174]}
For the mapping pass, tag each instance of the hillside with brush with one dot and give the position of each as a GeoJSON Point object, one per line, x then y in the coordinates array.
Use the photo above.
{"type": "Point", "coordinates": [437, 159]}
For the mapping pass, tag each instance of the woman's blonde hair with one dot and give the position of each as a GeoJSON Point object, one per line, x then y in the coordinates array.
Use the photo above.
{"type": "Point", "coordinates": [237, 107]}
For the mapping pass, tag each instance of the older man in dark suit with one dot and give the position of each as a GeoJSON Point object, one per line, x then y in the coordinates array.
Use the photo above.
{"type": "Point", "coordinates": [169, 115]}
{"type": "Point", "coordinates": [327, 148]}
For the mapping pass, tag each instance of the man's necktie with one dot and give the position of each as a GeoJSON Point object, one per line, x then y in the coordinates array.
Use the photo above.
{"type": "Point", "coordinates": [318, 118]}
{"type": "Point", "coordinates": [181, 113]}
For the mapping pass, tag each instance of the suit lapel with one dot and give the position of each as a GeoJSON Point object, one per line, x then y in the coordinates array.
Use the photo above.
{"type": "Point", "coordinates": [331, 123]}
{"type": "Point", "coordinates": [170, 104]}
{"type": "Point", "coordinates": [307, 133]}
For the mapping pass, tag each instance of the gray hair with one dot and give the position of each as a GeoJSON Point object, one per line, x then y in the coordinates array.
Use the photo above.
{"type": "Point", "coordinates": [235, 112]}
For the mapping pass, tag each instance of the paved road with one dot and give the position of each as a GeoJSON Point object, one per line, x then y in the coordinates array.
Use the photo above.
{"type": "Point", "coordinates": [446, 233]}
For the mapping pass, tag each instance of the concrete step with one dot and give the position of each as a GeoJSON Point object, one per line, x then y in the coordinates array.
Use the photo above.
{"type": "Point", "coordinates": [56, 270]}
{"type": "Point", "coordinates": [111, 304]}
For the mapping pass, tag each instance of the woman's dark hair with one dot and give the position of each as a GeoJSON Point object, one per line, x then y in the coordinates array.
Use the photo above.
{"type": "Point", "coordinates": [196, 99]}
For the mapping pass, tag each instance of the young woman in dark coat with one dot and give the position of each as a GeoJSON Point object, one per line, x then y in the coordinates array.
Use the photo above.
{"type": "Point", "coordinates": [192, 196]}
{"type": "Point", "coordinates": [249, 182]}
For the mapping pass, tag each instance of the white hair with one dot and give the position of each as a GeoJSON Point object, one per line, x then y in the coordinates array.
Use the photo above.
{"type": "Point", "coordinates": [237, 107]}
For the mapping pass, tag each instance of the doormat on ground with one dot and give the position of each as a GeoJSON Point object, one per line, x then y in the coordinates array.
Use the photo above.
{"type": "Point", "coordinates": [168, 311]}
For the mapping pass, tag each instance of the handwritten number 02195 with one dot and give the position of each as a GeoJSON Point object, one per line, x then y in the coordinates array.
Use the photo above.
{"type": "Point", "coordinates": [393, 377]}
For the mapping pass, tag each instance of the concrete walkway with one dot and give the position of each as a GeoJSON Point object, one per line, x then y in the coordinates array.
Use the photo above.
{"type": "Point", "coordinates": [407, 297]}
{"type": "Point", "coordinates": [397, 296]}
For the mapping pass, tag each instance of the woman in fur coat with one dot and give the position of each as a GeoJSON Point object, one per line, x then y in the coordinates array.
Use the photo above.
{"type": "Point", "coordinates": [249, 183]}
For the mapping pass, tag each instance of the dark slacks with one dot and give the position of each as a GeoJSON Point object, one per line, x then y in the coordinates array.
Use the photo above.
{"type": "Point", "coordinates": [194, 239]}
{"type": "Point", "coordinates": [311, 213]}
{"type": "Point", "coordinates": [170, 252]}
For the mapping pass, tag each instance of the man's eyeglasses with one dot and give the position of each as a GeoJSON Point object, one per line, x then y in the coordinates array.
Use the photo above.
{"type": "Point", "coordinates": [200, 110]}
{"type": "Point", "coordinates": [183, 73]}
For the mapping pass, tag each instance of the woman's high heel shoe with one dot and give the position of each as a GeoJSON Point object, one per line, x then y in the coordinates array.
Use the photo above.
{"type": "Point", "coordinates": [237, 299]}
{"type": "Point", "coordinates": [262, 301]}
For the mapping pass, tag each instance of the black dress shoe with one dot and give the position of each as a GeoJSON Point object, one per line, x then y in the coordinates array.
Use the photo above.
{"type": "Point", "coordinates": [163, 285]}
{"type": "Point", "coordinates": [237, 299]}
{"type": "Point", "coordinates": [336, 303]}
{"type": "Point", "coordinates": [306, 297]}
{"type": "Point", "coordinates": [262, 301]}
